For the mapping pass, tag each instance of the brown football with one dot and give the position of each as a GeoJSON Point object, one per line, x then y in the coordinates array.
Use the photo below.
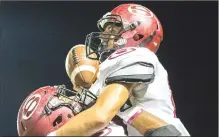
{"type": "Point", "coordinates": [81, 70]}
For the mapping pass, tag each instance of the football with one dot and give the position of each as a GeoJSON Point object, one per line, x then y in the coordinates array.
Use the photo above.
{"type": "Point", "coordinates": [81, 70]}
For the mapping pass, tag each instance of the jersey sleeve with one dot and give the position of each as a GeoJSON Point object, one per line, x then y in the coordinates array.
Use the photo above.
{"type": "Point", "coordinates": [137, 66]}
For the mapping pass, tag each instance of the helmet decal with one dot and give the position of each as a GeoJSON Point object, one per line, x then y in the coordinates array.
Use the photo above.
{"type": "Point", "coordinates": [31, 105]}
{"type": "Point", "coordinates": [140, 11]}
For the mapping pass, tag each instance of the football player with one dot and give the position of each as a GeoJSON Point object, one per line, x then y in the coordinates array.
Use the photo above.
{"type": "Point", "coordinates": [48, 108]}
{"type": "Point", "coordinates": [82, 72]}
{"type": "Point", "coordinates": [129, 36]}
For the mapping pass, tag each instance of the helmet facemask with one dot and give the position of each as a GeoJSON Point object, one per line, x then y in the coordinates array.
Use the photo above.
{"type": "Point", "coordinates": [77, 101]}
{"type": "Point", "coordinates": [104, 43]}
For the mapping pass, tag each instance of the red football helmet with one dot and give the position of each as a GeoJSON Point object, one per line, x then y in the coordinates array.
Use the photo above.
{"type": "Point", "coordinates": [139, 28]}
{"type": "Point", "coordinates": [47, 109]}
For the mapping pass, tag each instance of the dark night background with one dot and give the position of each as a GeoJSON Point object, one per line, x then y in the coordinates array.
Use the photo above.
{"type": "Point", "coordinates": [36, 36]}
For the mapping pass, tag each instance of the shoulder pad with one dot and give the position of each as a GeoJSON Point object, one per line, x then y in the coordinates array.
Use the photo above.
{"type": "Point", "coordinates": [129, 63]}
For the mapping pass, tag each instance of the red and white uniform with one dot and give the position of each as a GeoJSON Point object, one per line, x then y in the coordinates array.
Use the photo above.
{"type": "Point", "coordinates": [155, 97]}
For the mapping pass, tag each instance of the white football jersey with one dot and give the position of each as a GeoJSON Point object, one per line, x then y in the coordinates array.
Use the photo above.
{"type": "Point", "coordinates": [155, 97]}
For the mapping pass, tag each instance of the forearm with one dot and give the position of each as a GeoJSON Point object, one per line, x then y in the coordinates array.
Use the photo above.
{"type": "Point", "coordinates": [84, 124]}
{"type": "Point", "coordinates": [145, 121]}
{"type": "Point", "coordinates": [99, 115]}
{"type": "Point", "coordinates": [148, 124]}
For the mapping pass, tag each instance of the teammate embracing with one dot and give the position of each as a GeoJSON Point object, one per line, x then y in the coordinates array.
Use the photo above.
{"type": "Point", "coordinates": [129, 72]}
